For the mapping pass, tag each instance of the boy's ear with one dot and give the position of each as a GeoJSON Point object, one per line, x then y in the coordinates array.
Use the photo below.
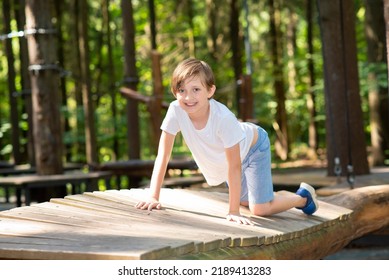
{"type": "Point", "coordinates": [211, 91]}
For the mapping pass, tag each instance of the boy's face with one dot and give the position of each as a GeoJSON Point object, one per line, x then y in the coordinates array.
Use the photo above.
{"type": "Point", "coordinates": [193, 96]}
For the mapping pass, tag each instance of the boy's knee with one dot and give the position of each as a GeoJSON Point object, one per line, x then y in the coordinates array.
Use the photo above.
{"type": "Point", "coordinates": [260, 210]}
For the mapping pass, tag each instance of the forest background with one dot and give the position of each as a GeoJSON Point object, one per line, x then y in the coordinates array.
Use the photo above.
{"type": "Point", "coordinates": [185, 29]}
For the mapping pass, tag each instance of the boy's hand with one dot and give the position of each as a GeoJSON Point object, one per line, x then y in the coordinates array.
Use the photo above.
{"type": "Point", "coordinates": [149, 205]}
{"type": "Point", "coordinates": [237, 218]}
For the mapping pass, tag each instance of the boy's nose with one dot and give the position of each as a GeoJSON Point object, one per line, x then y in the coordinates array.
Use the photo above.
{"type": "Point", "coordinates": [188, 96]}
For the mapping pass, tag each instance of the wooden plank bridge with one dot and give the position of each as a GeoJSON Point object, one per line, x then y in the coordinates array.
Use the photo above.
{"type": "Point", "coordinates": [192, 225]}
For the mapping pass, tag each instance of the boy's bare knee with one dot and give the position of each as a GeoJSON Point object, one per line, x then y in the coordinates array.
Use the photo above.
{"type": "Point", "coordinates": [260, 210]}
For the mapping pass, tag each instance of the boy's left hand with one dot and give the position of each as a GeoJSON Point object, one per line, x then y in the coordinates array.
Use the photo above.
{"type": "Point", "coordinates": [237, 218]}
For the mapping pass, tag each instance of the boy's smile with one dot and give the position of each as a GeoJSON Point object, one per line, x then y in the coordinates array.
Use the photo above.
{"type": "Point", "coordinates": [193, 97]}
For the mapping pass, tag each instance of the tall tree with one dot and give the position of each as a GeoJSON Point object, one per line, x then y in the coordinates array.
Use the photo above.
{"type": "Point", "coordinates": [211, 10]}
{"type": "Point", "coordinates": [14, 116]}
{"type": "Point", "coordinates": [280, 125]}
{"type": "Point", "coordinates": [19, 7]}
{"type": "Point", "coordinates": [44, 77]}
{"type": "Point", "coordinates": [61, 59]}
{"type": "Point", "coordinates": [156, 103]}
{"type": "Point", "coordinates": [75, 67]}
{"type": "Point", "coordinates": [386, 16]}
{"type": "Point", "coordinates": [344, 123]}
{"type": "Point", "coordinates": [112, 77]}
{"type": "Point", "coordinates": [191, 37]}
{"type": "Point", "coordinates": [131, 79]}
{"type": "Point", "coordinates": [378, 94]}
{"type": "Point", "coordinates": [90, 131]}
{"type": "Point", "coordinates": [153, 29]}
{"type": "Point", "coordinates": [311, 100]}
{"type": "Point", "coordinates": [236, 45]}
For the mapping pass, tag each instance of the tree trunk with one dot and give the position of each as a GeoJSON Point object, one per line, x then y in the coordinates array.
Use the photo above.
{"type": "Point", "coordinates": [236, 47]}
{"type": "Point", "coordinates": [153, 29]}
{"type": "Point", "coordinates": [61, 59]}
{"type": "Point", "coordinates": [191, 39]}
{"type": "Point", "coordinates": [155, 108]}
{"type": "Point", "coordinates": [79, 149]}
{"type": "Point", "coordinates": [313, 135]}
{"type": "Point", "coordinates": [14, 112]}
{"type": "Point", "coordinates": [112, 79]}
{"type": "Point", "coordinates": [280, 126]}
{"type": "Point", "coordinates": [290, 39]}
{"type": "Point", "coordinates": [25, 80]}
{"type": "Point", "coordinates": [131, 79]}
{"type": "Point", "coordinates": [344, 124]}
{"type": "Point", "coordinates": [378, 95]}
{"type": "Point", "coordinates": [212, 28]}
{"type": "Point", "coordinates": [90, 131]}
{"type": "Point", "coordinates": [386, 16]}
{"type": "Point", "coordinates": [44, 77]}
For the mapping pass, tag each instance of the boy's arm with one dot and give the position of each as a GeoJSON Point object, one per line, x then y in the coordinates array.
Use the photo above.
{"type": "Point", "coordinates": [160, 165]}
{"type": "Point", "coordinates": [234, 184]}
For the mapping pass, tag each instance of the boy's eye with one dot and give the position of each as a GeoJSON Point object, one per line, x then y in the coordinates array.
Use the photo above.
{"type": "Point", "coordinates": [196, 89]}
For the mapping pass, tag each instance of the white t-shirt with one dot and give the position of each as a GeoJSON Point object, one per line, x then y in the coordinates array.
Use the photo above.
{"type": "Point", "coordinates": [207, 145]}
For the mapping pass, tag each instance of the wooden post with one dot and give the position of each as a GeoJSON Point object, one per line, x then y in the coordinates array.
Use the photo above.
{"type": "Point", "coordinates": [344, 122]}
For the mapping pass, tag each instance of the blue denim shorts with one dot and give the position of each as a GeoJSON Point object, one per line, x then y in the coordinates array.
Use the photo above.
{"type": "Point", "coordinates": [257, 183]}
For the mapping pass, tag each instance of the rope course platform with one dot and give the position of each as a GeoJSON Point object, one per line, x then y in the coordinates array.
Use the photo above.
{"type": "Point", "coordinates": [192, 225]}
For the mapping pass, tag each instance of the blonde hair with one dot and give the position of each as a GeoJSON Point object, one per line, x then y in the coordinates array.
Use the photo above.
{"type": "Point", "coordinates": [190, 68]}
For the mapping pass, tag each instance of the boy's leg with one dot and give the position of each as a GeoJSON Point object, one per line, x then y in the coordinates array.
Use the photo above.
{"type": "Point", "coordinates": [257, 174]}
{"type": "Point", "coordinates": [280, 203]}
{"type": "Point", "coordinates": [257, 179]}
{"type": "Point", "coordinates": [304, 199]}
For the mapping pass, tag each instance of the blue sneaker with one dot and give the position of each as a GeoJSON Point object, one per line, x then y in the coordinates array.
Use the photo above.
{"type": "Point", "coordinates": [312, 204]}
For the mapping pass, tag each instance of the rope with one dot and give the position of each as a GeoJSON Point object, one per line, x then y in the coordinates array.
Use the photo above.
{"type": "Point", "coordinates": [31, 31]}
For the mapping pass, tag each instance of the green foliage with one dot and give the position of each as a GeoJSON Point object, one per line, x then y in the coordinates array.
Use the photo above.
{"type": "Point", "coordinates": [176, 24]}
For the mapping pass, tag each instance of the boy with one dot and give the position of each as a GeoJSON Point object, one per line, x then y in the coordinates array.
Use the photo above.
{"type": "Point", "coordinates": [224, 149]}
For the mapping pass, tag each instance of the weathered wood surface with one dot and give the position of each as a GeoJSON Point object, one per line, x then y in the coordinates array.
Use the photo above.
{"type": "Point", "coordinates": [105, 225]}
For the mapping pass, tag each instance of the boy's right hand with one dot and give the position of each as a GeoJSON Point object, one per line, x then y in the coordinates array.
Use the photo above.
{"type": "Point", "coordinates": [237, 218]}
{"type": "Point", "coordinates": [149, 205]}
